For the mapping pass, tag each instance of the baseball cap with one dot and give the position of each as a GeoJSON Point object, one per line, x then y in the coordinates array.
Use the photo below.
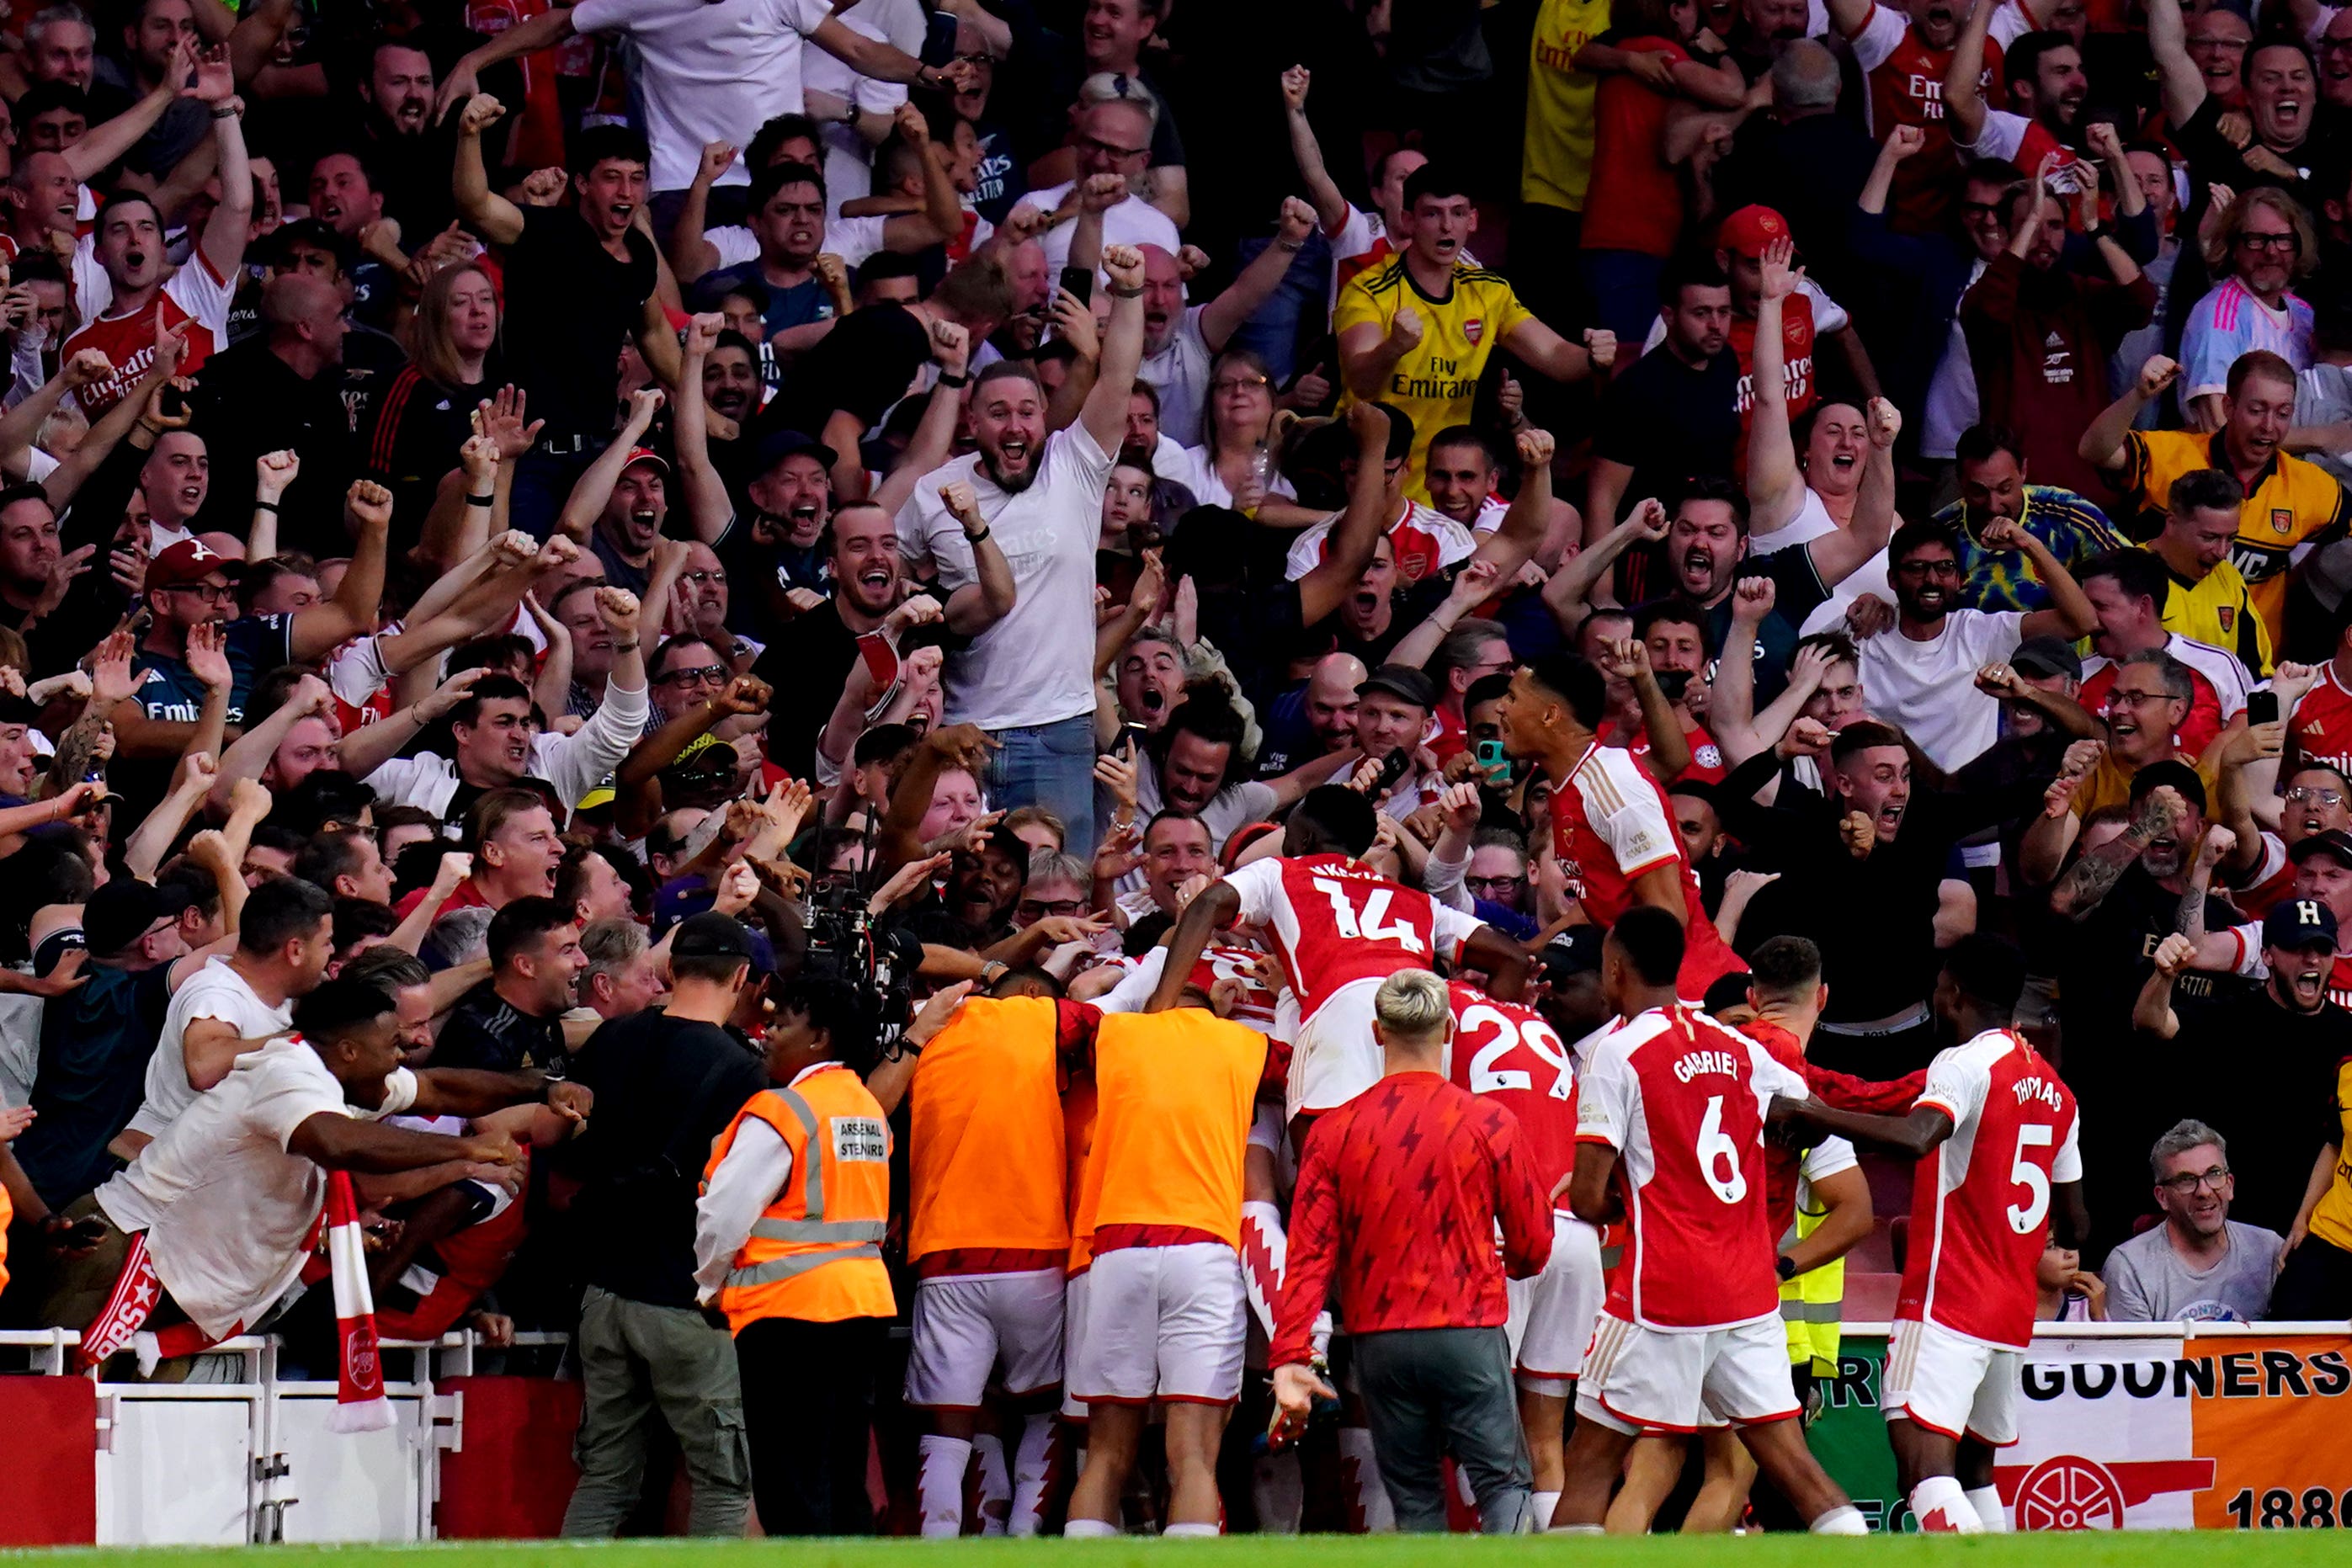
{"type": "Point", "coordinates": [1575, 951]}
{"type": "Point", "coordinates": [2334, 841]}
{"type": "Point", "coordinates": [1748, 231]}
{"type": "Point", "coordinates": [190, 560]}
{"type": "Point", "coordinates": [711, 934]}
{"type": "Point", "coordinates": [121, 913]}
{"type": "Point", "coordinates": [2299, 923]}
{"type": "Point", "coordinates": [2047, 656]}
{"type": "Point", "coordinates": [646, 455]}
{"type": "Point", "coordinates": [1402, 681]}
{"type": "Point", "coordinates": [778, 445]}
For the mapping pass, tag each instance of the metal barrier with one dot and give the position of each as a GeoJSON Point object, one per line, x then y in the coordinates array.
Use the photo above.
{"type": "Point", "coordinates": [247, 1457]}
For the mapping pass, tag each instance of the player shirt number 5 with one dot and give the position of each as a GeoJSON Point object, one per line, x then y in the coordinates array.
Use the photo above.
{"type": "Point", "coordinates": [194, 294]}
{"type": "Point", "coordinates": [1682, 1099]}
{"type": "Point", "coordinates": [1980, 1204]}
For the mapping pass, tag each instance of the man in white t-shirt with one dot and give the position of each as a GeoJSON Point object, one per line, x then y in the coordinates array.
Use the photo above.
{"type": "Point", "coordinates": [710, 70]}
{"type": "Point", "coordinates": [1920, 673]}
{"type": "Point", "coordinates": [219, 1211]}
{"type": "Point", "coordinates": [286, 936]}
{"type": "Point", "coordinates": [1114, 139]}
{"type": "Point", "coordinates": [1027, 677]}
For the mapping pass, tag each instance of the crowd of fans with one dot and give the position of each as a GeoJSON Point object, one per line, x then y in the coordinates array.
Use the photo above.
{"type": "Point", "coordinates": [670, 542]}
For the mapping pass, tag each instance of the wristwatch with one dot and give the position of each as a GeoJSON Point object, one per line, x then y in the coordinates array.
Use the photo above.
{"type": "Point", "coordinates": [1785, 1266]}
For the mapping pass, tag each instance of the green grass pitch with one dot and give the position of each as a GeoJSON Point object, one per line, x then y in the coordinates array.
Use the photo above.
{"type": "Point", "coordinates": [2089, 1549]}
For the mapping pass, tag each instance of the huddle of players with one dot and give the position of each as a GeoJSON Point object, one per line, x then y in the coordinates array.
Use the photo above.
{"type": "Point", "coordinates": [1082, 1229]}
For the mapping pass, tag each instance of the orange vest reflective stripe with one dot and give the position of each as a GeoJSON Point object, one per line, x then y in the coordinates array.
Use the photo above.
{"type": "Point", "coordinates": [1174, 1094]}
{"type": "Point", "coordinates": [986, 1166]}
{"type": "Point", "coordinates": [816, 1253]}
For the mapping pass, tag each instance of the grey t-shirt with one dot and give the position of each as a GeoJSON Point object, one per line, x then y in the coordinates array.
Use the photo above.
{"type": "Point", "coordinates": [2148, 1283]}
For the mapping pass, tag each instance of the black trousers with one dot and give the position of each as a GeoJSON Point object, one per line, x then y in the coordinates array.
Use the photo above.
{"type": "Point", "coordinates": [808, 1410]}
{"type": "Point", "coordinates": [2317, 1283]}
{"type": "Point", "coordinates": [1429, 1392]}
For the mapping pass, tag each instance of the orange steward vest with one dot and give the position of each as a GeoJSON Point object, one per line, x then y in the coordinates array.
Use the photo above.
{"type": "Point", "coordinates": [816, 1253]}
{"type": "Point", "coordinates": [1175, 1091]}
{"type": "Point", "coordinates": [986, 1165]}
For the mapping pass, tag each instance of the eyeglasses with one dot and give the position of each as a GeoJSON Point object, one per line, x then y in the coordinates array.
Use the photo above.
{"type": "Point", "coordinates": [1112, 149]}
{"type": "Point", "coordinates": [706, 675]}
{"type": "Point", "coordinates": [701, 577]}
{"type": "Point", "coordinates": [1226, 386]}
{"type": "Point", "coordinates": [220, 592]}
{"type": "Point", "coordinates": [2234, 46]}
{"type": "Point", "coordinates": [1985, 209]}
{"type": "Point", "coordinates": [2124, 699]}
{"type": "Point", "coordinates": [2286, 243]}
{"type": "Point", "coordinates": [2305, 794]}
{"type": "Point", "coordinates": [2186, 1182]}
{"type": "Point", "coordinates": [1036, 909]}
{"type": "Point", "coordinates": [1928, 568]}
{"type": "Point", "coordinates": [1493, 884]}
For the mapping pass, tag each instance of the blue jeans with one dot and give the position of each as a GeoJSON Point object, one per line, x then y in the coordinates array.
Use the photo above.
{"type": "Point", "coordinates": [1053, 765]}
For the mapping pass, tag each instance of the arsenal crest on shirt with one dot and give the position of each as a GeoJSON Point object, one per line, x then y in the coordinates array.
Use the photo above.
{"type": "Point", "coordinates": [1473, 329]}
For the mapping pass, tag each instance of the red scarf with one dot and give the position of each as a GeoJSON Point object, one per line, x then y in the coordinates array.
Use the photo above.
{"type": "Point", "coordinates": [360, 1404]}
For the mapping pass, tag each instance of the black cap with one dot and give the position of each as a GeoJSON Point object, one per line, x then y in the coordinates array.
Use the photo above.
{"type": "Point", "coordinates": [1575, 951]}
{"type": "Point", "coordinates": [2047, 656]}
{"type": "Point", "coordinates": [2171, 772]}
{"type": "Point", "coordinates": [2334, 841]}
{"type": "Point", "coordinates": [778, 445]}
{"type": "Point", "coordinates": [1402, 681]}
{"type": "Point", "coordinates": [711, 934]}
{"type": "Point", "coordinates": [121, 913]}
{"type": "Point", "coordinates": [2296, 924]}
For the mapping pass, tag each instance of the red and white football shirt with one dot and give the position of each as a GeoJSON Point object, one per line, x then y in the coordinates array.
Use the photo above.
{"type": "Point", "coordinates": [1682, 1099]}
{"type": "Point", "coordinates": [1331, 922]}
{"type": "Point", "coordinates": [2216, 686]}
{"type": "Point", "coordinates": [2320, 728]}
{"type": "Point", "coordinates": [193, 294]}
{"type": "Point", "coordinates": [1425, 540]}
{"type": "Point", "coordinates": [1907, 87]}
{"type": "Point", "coordinates": [1610, 824]}
{"type": "Point", "coordinates": [1256, 1009]}
{"type": "Point", "coordinates": [1508, 1051]}
{"type": "Point", "coordinates": [1980, 1203]}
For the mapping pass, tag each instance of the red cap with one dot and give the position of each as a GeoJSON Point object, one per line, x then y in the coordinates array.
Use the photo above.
{"type": "Point", "coordinates": [646, 455]}
{"type": "Point", "coordinates": [190, 560]}
{"type": "Point", "coordinates": [1748, 231]}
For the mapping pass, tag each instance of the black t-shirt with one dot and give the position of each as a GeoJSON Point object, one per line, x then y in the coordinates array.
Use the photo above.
{"type": "Point", "coordinates": [806, 665]}
{"type": "Point", "coordinates": [489, 1034]}
{"type": "Point", "coordinates": [571, 303]}
{"type": "Point", "coordinates": [2279, 1065]}
{"type": "Point", "coordinates": [1668, 421]}
{"type": "Point", "coordinates": [664, 1088]}
{"type": "Point", "coordinates": [863, 366]}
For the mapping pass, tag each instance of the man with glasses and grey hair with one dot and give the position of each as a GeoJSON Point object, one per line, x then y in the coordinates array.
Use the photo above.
{"type": "Point", "coordinates": [2200, 1265]}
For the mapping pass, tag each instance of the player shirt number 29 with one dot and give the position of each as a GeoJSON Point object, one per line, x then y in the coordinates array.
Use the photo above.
{"type": "Point", "coordinates": [1333, 922]}
{"type": "Point", "coordinates": [1681, 1100]}
{"type": "Point", "coordinates": [1509, 1051]}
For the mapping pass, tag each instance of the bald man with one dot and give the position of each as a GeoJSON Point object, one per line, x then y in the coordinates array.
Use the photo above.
{"type": "Point", "coordinates": [1314, 719]}
{"type": "Point", "coordinates": [1180, 343]}
{"type": "Point", "coordinates": [283, 389]}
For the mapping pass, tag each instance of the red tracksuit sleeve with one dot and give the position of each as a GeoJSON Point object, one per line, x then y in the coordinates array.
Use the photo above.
{"type": "Point", "coordinates": [1314, 1251]}
{"type": "Point", "coordinates": [1521, 1203]}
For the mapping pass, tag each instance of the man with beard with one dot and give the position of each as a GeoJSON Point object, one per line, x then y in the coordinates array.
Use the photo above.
{"type": "Point", "coordinates": [2282, 1037]}
{"type": "Point", "coordinates": [1027, 677]}
{"type": "Point", "coordinates": [2281, 104]}
{"type": "Point", "coordinates": [2044, 76]}
{"type": "Point", "coordinates": [811, 653]}
{"type": "Point", "coordinates": [2288, 500]}
{"type": "Point", "coordinates": [733, 387]}
{"type": "Point", "coordinates": [1198, 766]}
{"type": "Point", "coordinates": [131, 249]}
{"type": "Point", "coordinates": [2040, 333]}
{"type": "Point", "coordinates": [2266, 243]}
{"type": "Point", "coordinates": [408, 152]}
{"type": "Point", "coordinates": [1872, 840]}
{"type": "Point", "coordinates": [1916, 673]}
{"type": "Point", "coordinates": [1675, 413]}
{"type": "Point", "coordinates": [1180, 341]}
{"type": "Point", "coordinates": [1904, 59]}
{"type": "Point", "coordinates": [1314, 718]}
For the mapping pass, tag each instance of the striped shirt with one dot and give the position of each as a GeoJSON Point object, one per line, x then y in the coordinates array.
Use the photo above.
{"type": "Point", "coordinates": [2230, 321]}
